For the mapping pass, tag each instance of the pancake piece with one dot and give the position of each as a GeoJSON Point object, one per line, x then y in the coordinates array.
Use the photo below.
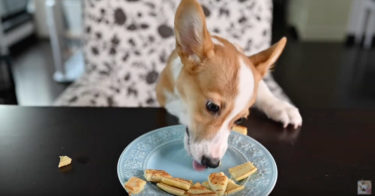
{"type": "Point", "coordinates": [177, 182]}
{"type": "Point", "coordinates": [232, 187]}
{"type": "Point", "coordinates": [218, 182]}
{"type": "Point", "coordinates": [154, 175]}
{"type": "Point", "coordinates": [242, 171]}
{"type": "Point", "coordinates": [205, 184]}
{"type": "Point", "coordinates": [134, 185]}
{"type": "Point", "coordinates": [202, 194]}
{"type": "Point", "coordinates": [170, 189]}
{"type": "Point", "coordinates": [240, 129]}
{"type": "Point", "coordinates": [198, 189]}
{"type": "Point", "coordinates": [64, 161]}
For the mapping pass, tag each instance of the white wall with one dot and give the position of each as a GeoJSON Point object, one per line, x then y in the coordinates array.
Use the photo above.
{"type": "Point", "coordinates": [320, 20]}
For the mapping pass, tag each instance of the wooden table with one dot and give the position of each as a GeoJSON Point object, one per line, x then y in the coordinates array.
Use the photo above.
{"type": "Point", "coordinates": [328, 155]}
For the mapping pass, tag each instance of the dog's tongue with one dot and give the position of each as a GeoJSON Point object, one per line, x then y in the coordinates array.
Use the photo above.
{"type": "Point", "coordinates": [197, 166]}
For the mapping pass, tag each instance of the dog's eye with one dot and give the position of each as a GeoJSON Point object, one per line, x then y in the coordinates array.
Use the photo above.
{"type": "Point", "coordinates": [212, 107]}
{"type": "Point", "coordinates": [239, 121]}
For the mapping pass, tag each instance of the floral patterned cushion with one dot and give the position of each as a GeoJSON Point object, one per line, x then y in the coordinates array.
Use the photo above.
{"type": "Point", "coordinates": [127, 43]}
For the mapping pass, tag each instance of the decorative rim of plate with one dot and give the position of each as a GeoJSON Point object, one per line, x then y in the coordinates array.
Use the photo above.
{"type": "Point", "coordinates": [235, 138]}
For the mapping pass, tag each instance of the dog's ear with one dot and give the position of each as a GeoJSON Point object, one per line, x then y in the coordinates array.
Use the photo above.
{"type": "Point", "coordinates": [266, 58]}
{"type": "Point", "coordinates": [192, 37]}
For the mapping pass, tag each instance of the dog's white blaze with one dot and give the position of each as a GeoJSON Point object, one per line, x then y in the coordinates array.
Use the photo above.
{"type": "Point", "coordinates": [245, 90]}
{"type": "Point", "coordinates": [217, 42]}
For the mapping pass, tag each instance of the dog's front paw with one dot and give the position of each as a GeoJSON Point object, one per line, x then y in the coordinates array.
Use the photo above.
{"type": "Point", "coordinates": [284, 112]}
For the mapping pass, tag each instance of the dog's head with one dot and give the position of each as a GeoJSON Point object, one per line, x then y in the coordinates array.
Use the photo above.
{"type": "Point", "coordinates": [218, 83]}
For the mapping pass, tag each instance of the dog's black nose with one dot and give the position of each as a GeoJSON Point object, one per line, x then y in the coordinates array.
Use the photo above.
{"type": "Point", "coordinates": [209, 162]}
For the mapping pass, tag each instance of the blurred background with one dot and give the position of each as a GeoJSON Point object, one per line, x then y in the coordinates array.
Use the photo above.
{"type": "Point", "coordinates": [329, 61]}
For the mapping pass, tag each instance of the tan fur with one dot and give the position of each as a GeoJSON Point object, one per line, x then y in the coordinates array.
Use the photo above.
{"type": "Point", "coordinates": [213, 77]}
{"type": "Point", "coordinates": [266, 58]}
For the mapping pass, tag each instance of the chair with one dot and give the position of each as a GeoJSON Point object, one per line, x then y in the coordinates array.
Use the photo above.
{"type": "Point", "coordinates": [128, 42]}
{"type": "Point", "coordinates": [7, 85]}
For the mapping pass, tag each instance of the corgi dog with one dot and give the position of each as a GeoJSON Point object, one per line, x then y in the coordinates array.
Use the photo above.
{"type": "Point", "coordinates": [210, 84]}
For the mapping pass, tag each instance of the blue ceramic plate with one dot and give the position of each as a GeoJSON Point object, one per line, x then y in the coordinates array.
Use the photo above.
{"type": "Point", "coordinates": [164, 149]}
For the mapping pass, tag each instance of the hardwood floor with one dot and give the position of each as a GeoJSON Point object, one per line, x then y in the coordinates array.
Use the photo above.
{"type": "Point", "coordinates": [33, 71]}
